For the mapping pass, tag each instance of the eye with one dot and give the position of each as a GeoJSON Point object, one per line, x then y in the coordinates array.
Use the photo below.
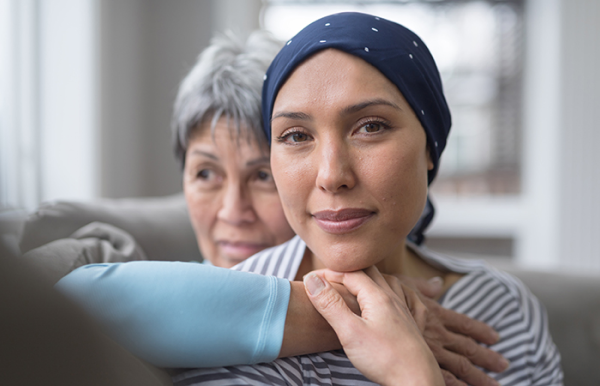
{"type": "Point", "coordinates": [264, 175]}
{"type": "Point", "coordinates": [372, 127]}
{"type": "Point", "coordinates": [293, 137]}
{"type": "Point", "coordinates": [204, 174]}
{"type": "Point", "coordinates": [298, 137]}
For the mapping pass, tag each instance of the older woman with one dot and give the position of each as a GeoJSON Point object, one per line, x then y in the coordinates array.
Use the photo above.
{"type": "Point", "coordinates": [357, 118]}
{"type": "Point", "coordinates": [235, 210]}
{"type": "Point", "coordinates": [231, 197]}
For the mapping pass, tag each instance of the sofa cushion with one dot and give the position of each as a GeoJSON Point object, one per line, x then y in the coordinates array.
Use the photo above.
{"type": "Point", "coordinates": [160, 226]}
{"type": "Point", "coordinates": [573, 305]}
{"type": "Point", "coordinates": [47, 340]}
{"type": "Point", "coordinates": [94, 243]}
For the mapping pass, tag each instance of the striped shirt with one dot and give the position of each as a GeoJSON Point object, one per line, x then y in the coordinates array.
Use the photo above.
{"type": "Point", "coordinates": [483, 293]}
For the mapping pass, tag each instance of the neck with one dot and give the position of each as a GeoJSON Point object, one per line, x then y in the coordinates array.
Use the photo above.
{"type": "Point", "coordinates": [403, 262]}
{"type": "Point", "coordinates": [397, 263]}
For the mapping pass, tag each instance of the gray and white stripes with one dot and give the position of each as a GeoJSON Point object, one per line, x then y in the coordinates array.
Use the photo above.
{"type": "Point", "coordinates": [483, 293]}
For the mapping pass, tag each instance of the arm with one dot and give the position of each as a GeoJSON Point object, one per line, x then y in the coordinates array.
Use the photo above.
{"type": "Point", "coordinates": [173, 314]}
{"type": "Point", "coordinates": [170, 328]}
{"type": "Point", "coordinates": [306, 331]}
{"type": "Point", "coordinates": [159, 311]}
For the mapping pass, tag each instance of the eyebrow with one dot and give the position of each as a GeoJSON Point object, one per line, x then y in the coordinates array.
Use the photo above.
{"type": "Point", "coordinates": [348, 110]}
{"type": "Point", "coordinates": [257, 161]}
{"type": "Point", "coordinates": [363, 105]}
{"type": "Point", "coordinates": [206, 154]}
{"type": "Point", "coordinates": [292, 115]}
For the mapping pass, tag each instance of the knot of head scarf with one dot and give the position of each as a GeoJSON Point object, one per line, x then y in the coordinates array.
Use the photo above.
{"type": "Point", "coordinates": [396, 52]}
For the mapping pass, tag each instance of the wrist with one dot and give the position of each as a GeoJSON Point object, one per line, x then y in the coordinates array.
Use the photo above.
{"type": "Point", "coordinates": [419, 369]}
{"type": "Point", "coordinates": [305, 332]}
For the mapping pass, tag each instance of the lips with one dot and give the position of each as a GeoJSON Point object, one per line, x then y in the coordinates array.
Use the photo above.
{"type": "Point", "coordinates": [240, 250]}
{"type": "Point", "coordinates": [342, 221]}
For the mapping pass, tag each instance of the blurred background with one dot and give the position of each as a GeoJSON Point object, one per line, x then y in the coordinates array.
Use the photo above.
{"type": "Point", "coordinates": [87, 87]}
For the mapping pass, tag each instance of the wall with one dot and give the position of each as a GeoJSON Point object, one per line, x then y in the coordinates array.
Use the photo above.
{"type": "Point", "coordinates": [580, 136]}
{"type": "Point", "coordinates": [555, 221]}
{"type": "Point", "coordinates": [146, 48]}
{"type": "Point", "coordinates": [561, 178]}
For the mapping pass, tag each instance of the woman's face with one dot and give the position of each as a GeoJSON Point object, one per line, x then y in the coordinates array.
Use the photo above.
{"type": "Point", "coordinates": [232, 200]}
{"type": "Point", "coordinates": [350, 160]}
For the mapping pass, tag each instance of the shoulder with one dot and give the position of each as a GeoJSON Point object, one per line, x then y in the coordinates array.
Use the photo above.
{"type": "Point", "coordinates": [281, 261]}
{"type": "Point", "coordinates": [505, 303]}
{"type": "Point", "coordinates": [484, 292]}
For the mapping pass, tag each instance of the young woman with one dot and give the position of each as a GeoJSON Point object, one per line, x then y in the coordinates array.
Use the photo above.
{"type": "Point", "coordinates": [357, 119]}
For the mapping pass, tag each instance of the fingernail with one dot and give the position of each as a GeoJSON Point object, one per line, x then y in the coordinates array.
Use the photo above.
{"type": "Point", "coordinates": [505, 363]}
{"type": "Point", "coordinates": [496, 336]}
{"type": "Point", "coordinates": [436, 282]}
{"type": "Point", "coordinates": [313, 284]}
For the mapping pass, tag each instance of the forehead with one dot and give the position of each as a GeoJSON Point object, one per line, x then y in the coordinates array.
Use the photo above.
{"type": "Point", "coordinates": [225, 135]}
{"type": "Point", "coordinates": [333, 76]}
{"type": "Point", "coordinates": [225, 129]}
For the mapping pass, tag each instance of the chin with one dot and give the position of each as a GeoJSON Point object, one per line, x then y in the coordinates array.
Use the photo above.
{"type": "Point", "coordinates": [229, 262]}
{"type": "Point", "coordinates": [343, 264]}
{"type": "Point", "coordinates": [224, 262]}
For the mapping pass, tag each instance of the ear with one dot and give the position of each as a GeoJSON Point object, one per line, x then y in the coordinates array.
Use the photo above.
{"type": "Point", "coordinates": [430, 164]}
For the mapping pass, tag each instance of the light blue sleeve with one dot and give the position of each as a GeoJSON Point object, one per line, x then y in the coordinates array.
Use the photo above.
{"type": "Point", "coordinates": [175, 314]}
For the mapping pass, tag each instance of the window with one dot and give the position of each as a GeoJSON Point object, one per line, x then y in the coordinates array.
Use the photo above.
{"type": "Point", "coordinates": [47, 102]}
{"type": "Point", "coordinates": [18, 140]}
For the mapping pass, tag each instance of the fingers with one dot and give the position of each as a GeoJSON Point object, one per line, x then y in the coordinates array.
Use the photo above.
{"type": "Point", "coordinates": [330, 304]}
{"type": "Point", "coordinates": [461, 368]}
{"type": "Point", "coordinates": [350, 299]}
{"type": "Point", "coordinates": [384, 342]}
{"type": "Point", "coordinates": [450, 379]}
{"type": "Point", "coordinates": [418, 310]}
{"type": "Point", "coordinates": [359, 281]}
{"type": "Point", "coordinates": [439, 333]}
{"type": "Point", "coordinates": [464, 325]}
{"type": "Point", "coordinates": [331, 276]}
{"type": "Point", "coordinates": [478, 355]}
{"type": "Point", "coordinates": [453, 321]}
{"type": "Point", "coordinates": [449, 335]}
{"type": "Point", "coordinates": [431, 288]}
{"type": "Point", "coordinates": [377, 277]}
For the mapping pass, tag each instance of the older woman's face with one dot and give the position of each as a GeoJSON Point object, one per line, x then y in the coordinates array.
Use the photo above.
{"type": "Point", "coordinates": [232, 200]}
{"type": "Point", "coordinates": [350, 160]}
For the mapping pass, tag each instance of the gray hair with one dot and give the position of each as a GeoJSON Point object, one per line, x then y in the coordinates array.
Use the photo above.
{"type": "Point", "coordinates": [226, 81]}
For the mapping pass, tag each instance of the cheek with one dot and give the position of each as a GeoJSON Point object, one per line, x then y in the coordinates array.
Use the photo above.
{"type": "Point", "coordinates": [269, 209]}
{"type": "Point", "coordinates": [398, 180]}
{"type": "Point", "coordinates": [407, 192]}
{"type": "Point", "coordinates": [293, 180]}
{"type": "Point", "coordinates": [201, 209]}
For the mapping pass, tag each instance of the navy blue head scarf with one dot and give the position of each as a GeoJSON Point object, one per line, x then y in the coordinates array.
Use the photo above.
{"type": "Point", "coordinates": [396, 52]}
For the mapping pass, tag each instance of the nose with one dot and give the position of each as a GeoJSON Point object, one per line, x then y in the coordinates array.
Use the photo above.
{"type": "Point", "coordinates": [335, 172]}
{"type": "Point", "coordinates": [236, 208]}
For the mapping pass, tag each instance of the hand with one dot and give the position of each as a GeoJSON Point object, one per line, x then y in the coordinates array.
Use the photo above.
{"type": "Point", "coordinates": [306, 331]}
{"type": "Point", "coordinates": [453, 337]}
{"type": "Point", "coordinates": [385, 342]}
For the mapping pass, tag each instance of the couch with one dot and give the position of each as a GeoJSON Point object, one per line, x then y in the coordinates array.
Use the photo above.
{"type": "Point", "coordinates": [158, 229]}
